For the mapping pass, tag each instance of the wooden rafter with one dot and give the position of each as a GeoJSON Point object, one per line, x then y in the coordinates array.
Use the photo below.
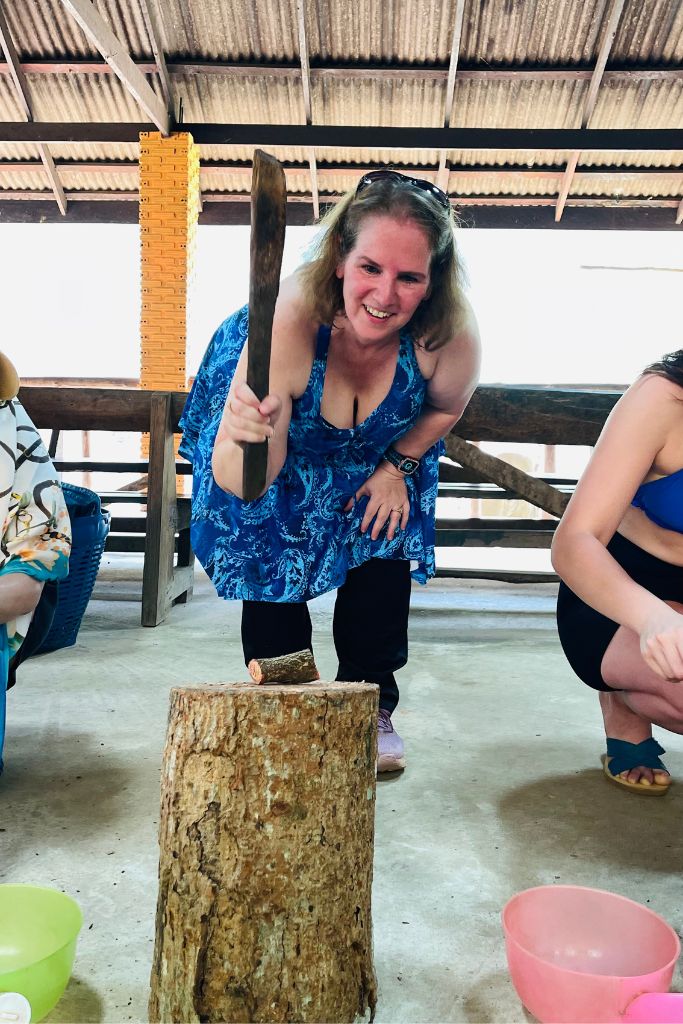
{"type": "Point", "coordinates": [53, 177]}
{"type": "Point", "coordinates": [616, 8]}
{"type": "Point", "coordinates": [118, 58]}
{"type": "Point", "coordinates": [362, 70]}
{"type": "Point", "coordinates": [23, 95]}
{"type": "Point", "coordinates": [315, 189]}
{"type": "Point", "coordinates": [615, 140]}
{"type": "Point", "coordinates": [645, 216]}
{"type": "Point", "coordinates": [154, 32]}
{"type": "Point", "coordinates": [442, 175]}
{"type": "Point", "coordinates": [308, 105]}
{"type": "Point", "coordinates": [679, 213]}
{"type": "Point", "coordinates": [240, 198]}
{"type": "Point", "coordinates": [230, 171]}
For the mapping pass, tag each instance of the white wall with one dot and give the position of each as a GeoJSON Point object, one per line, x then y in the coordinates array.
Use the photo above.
{"type": "Point", "coordinates": [70, 298]}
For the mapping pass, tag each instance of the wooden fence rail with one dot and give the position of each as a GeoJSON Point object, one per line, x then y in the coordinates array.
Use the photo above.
{"type": "Point", "coordinates": [516, 414]}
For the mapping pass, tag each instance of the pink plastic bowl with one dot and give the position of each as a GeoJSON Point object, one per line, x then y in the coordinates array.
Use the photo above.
{"type": "Point", "coordinates": [582, 956]}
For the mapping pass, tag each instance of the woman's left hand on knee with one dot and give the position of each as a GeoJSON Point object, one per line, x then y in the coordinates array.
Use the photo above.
{"type": "Point", "coordinates": [388, 503]}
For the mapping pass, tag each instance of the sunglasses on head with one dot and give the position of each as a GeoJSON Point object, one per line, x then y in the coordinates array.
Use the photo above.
{"type": "Point", "coordinates": [425, 186]}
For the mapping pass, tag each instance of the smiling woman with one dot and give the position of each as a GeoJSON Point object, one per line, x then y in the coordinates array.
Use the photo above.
{"type": "Point", "coordinates": [375, 355]}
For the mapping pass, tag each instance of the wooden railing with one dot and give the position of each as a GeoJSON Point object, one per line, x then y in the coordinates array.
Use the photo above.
{"type": "Point", "coordinates": [514, 414]}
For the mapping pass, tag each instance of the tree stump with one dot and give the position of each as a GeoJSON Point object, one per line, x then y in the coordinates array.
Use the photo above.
{"type": "Point", "coordinates": [266, 843]}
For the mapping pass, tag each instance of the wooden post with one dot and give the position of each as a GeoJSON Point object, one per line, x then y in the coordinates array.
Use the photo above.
{"type": "Point", "coordinates": [162, 514]}
{"type": "Point", "coordinates": [266, 844]}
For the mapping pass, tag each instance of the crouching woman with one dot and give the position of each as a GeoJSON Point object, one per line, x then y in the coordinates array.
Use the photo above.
{"type": "Point", "coordinates": [619, 553]}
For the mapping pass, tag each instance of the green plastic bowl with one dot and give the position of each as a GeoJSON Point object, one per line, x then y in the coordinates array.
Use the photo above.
{"type": "Point", "coordinates": [38, 932]}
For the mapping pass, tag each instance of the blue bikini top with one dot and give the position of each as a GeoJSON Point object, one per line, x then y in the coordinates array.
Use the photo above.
{"type": "Point", "coordinates": [662, 501]}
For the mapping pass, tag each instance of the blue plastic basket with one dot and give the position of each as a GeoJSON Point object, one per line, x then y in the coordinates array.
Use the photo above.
{"type": "Point", "coordinates": [89, 529]}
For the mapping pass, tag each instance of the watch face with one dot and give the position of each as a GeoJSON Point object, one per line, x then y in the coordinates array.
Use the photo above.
{"type": "Point", "coordinates": [404, 463]}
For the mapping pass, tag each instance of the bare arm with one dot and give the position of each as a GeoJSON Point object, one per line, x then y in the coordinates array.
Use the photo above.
{"type": "Point", "coordinates": [245, 419]}
{"type": "Point", "coordinates": [448, 392]}
{"type": "Point", "coordinates": [633, 436]}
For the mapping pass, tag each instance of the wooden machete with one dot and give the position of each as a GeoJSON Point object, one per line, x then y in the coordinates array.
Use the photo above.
{"type": "Point", "coordinates": [268, 213]}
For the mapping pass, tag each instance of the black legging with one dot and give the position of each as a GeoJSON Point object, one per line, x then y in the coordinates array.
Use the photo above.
{"type": "Point", "coordinates": [585, 634]}
{"type": "Point", "coordinates": [370, 626]}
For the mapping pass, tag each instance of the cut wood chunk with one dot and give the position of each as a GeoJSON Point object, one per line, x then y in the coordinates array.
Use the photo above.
{"type": "Point", "coordinates": [298, 667]}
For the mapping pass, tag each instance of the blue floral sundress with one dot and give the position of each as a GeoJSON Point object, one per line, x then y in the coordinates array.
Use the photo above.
{"type": "Point", "coordinates": [295, 541]}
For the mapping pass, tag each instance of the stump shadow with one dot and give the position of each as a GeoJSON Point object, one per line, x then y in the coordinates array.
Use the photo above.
{"type": "Point", "coordinates": [80, 1002]}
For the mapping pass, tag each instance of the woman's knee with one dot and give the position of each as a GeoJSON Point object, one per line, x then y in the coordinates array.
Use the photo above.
{"type": "Point", "coordinates": [19, 595]}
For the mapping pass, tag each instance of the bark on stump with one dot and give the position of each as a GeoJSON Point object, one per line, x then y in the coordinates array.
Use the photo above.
{"type": "Point", "coordinates": [266, 843]}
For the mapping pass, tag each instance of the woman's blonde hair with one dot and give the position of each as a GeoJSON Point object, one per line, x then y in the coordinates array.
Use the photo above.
{"type": "Point", "coordinates": [439, 316]}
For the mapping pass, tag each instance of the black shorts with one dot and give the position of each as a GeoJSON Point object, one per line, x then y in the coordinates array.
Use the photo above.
{"type": "Point", "coordinates": [585, 634]}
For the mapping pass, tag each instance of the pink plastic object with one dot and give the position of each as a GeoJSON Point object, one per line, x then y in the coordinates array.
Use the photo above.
{"type": "Point", "coordinates": [658, 1008]}
{"type": "Point", "coordinates": [583, 956]}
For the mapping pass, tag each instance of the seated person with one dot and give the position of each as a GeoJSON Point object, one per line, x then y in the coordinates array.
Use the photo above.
{"type": "Point", "coordinates": [36, 534]}
{"type": "Point", "coordinates": [619, 552]}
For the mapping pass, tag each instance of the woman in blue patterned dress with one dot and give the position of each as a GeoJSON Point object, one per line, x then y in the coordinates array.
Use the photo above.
{"type": "Point", "coordinates": [375, 354]}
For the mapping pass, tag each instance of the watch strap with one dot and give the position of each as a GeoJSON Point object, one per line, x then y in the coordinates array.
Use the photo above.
{"type": "Point", "coordinates": [405, 464]}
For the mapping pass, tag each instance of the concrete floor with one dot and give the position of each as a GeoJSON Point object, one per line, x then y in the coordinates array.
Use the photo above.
{"type": "Point", "coordinates": [503, 791]}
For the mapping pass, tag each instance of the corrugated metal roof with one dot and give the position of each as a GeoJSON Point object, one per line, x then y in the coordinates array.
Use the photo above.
{"type": "Point", "coordinates": [91, 97]}
{"type": "Point", "coordinates": [623, 185]}
{"type": "Point", "coordinates": [42, 28]}
{"type": "Point", "coordinates": [228, 100]}
{"type": "Point", "coordinates": [414, 31]}
{"type": "Point", "coordinates": [547, 31]}
{"type": "Point", "coordinates": [508, 34]}
{"type": "Point", "coordinates": [650, 31]}
{"type": "Point", "coordinates": [239, 30]}
{"type": "Point", "coordinates": [639, 105]}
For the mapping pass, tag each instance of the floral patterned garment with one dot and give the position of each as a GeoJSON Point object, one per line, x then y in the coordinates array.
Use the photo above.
{"type": "Point", "coordinates": [36, 532]}
{"type": "Point", "coordinates": [296, 542]}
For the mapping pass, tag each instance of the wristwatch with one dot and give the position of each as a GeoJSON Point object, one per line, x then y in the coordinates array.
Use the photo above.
{"type": "Point", "coordinates": [403, 463]}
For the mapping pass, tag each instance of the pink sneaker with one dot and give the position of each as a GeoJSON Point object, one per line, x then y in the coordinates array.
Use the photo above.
{"type": "Point", "coordinates": [390, 752]}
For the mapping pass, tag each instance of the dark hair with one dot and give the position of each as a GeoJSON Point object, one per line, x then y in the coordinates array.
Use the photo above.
{"type": "Point", "coordinates": [438, 317]}
{"type": "Point", "coordinates": [669, 366]}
